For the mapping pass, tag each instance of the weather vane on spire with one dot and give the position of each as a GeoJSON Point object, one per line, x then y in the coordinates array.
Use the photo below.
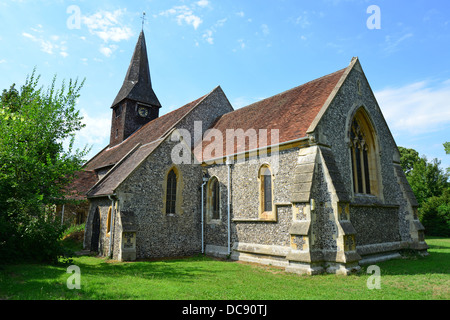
{"type": "Point", "coordinates": [143, 19]}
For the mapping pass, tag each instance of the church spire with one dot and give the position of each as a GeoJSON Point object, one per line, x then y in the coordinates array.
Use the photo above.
{"type": "Point", "coordinates": [137, 85]}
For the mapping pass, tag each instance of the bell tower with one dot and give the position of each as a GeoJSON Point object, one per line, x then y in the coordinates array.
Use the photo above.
{"type": "Point", "coordinates": [136, 103]}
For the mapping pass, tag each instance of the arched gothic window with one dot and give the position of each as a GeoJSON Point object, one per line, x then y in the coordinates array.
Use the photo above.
{"type": "Point", "coordinates": [363, 158]}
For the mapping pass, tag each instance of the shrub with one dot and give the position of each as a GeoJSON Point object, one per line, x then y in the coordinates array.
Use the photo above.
{"type": "Point", "coordinates": [435, 215]}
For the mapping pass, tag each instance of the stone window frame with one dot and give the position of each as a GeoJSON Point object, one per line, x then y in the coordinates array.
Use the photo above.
{"type": "Point", "coordinates": [209, 201]}
{"type": "Point", "coordinates": [178, 193]}
{"type": "Point", "coordinates": [264, 214]}
{"type": "Point", "coordinates": [368, 155]}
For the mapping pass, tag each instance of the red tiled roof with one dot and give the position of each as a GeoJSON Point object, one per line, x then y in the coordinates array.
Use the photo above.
{"type": "Point", "coordinates": [150, 132]}
{"type": "Point", "coordinates": [83, 181]}
{"type": "Point", "coordinates": [291, 112]}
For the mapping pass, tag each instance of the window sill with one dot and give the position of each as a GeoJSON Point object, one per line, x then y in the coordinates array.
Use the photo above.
{"type": "Point", "coordinates": [214, 221]}
{"type": "Point", "coordinates": [370, 200]}
{"type": "Point", "coordinates": [253, 220]}
{"type": "Point", "coordinates": [269, 217]}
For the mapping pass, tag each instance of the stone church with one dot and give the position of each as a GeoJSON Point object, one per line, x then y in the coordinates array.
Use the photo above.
{"type": "Point", "coordinates": [308, 179]}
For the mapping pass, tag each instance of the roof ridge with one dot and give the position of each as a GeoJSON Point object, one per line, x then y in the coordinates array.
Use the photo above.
{"type": "Point", "coordinates": [289, 90]}
{"type": "Point", "coordinates": [200, 100]}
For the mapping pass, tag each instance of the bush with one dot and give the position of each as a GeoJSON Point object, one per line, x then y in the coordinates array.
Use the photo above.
{"type": "Point", "coordinates": [36, 166]}
{"type": "Point", "coordinates": [435, 215]}
{"type": "Point", "coordinates": [35, 239]}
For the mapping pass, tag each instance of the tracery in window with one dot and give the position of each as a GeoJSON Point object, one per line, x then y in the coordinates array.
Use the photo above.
{"type": "Point", "coordinates": [363, 156]}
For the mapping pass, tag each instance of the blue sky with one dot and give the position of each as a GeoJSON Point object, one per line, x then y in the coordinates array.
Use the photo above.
{"type": "Point", "coordinates": [252, 49]}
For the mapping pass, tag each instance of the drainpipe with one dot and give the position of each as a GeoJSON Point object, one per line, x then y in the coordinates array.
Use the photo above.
{"type": "Point", "coordinates": [205, 181]}
{"type": "Point", "coordinates": [113, 211]}
{"type": "Point", "coordinates": [229, 204]}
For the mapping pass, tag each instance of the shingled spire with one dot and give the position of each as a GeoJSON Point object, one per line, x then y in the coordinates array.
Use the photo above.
{"type": "Point", "coordinates": [137, 85]}
{"type": "Point", "coordinates": [136, 103]}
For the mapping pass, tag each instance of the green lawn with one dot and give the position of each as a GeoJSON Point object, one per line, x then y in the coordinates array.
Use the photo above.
{"type": "Point", "coordinates": [203, 278]}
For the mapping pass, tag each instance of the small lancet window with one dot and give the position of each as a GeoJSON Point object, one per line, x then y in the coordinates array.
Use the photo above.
{"type": "Point", "coordinates": [361, 150]}
{"type": "Point", "coordinates": [108, 221]}
{"type": "Point", "coordinates": [266, 181]}
{"type": "Point", "coordinates": [215, 199]}
{"type": "Point", "coordinates": [171, 196]}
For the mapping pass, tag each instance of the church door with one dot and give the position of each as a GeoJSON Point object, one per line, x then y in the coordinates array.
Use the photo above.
{"type": "Point", "coordinates": [95, 231]}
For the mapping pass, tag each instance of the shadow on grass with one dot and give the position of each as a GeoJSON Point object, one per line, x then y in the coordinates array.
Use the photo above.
{"type": "Point", "coordinates": [100, 278]}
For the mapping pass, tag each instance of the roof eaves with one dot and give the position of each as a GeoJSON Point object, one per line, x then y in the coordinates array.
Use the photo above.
{"type": "Point", "coordinates": [113, 168]}
{"type": "Point", "coordinates": [140, 162]}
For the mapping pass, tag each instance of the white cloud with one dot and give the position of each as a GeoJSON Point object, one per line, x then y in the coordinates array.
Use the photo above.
{"type": "Point", "coordinates": [27, 35]}
{"type": "Point", "coordinates": [303, 20]}
{"type": "Point", "coordinates": [47, 46]}
{"type": "Point", "coordinates": [416, 108]}
{"type": "Point", "coordinates": [203, 3]}
{"type": "Point", "coordinates": [208, 36]}
{"type": "Point", "coordinates": [393, 42]}
{"type": "Point", "coordinates": [107, 51]}
{"type": "Point", "coordinates": [265, 29]}
{"type": "Point", "coordinates": [2, 61]}
{"type": "Point", "coordinates": [107, 25]}
{"type": "Point", "coordinates": [240, 14]}
{"type": "Point", "coordinates": [184, 15]}
{"type": "Point", "coordinates": [97, 130]}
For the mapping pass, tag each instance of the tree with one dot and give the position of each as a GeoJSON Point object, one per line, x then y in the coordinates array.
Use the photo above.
{"type": "Point", "coordinates": [447, 150]}
{"type": "Point", "coordinates": [431, 188]}
{"type": "Point", "coordinates": [408, 157]}
{"type": "Point", "coordinates": [34, 165]}
{"type": "Point", "coordinates": [435, 215]}
{"type": "Point", "coordinates": [426, 178]}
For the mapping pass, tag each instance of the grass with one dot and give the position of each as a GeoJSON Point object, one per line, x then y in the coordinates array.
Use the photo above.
{"type": "Point", "coordinates": [203, 278]}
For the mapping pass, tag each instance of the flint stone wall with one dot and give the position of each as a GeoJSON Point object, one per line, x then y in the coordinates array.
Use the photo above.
{"type": "Point", "coordinates": [332, 130]}
{"type": "Point", "coordinates": [160, 234]}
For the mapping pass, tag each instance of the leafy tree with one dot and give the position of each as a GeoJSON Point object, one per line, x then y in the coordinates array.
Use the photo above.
{"type": "Point", "coordinates": [431, 188]}
{"type": "Point", "coordinates": [447, 150]}
{"type": "Point", "coordinates": [435, 215]}
{"type": "Point", "coordinates": [408, 157]}
{"type": "Point", "coordinates": [34, 165]}
{"type": "Point", "coordinates": [426, 178]}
